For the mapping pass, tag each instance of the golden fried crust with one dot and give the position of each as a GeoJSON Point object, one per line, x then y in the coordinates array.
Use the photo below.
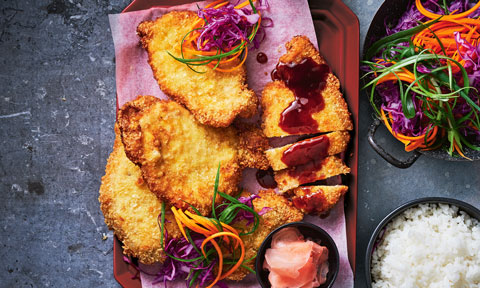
{"type": "Point", "coordinates": [331, 193]}
{"type": "Point", "coordinates": [331, 166]}
{"type": "Point", "coordinates": [214, 98]}
{"type": "Point", "coordinates": [282, 212]}
{"type": "Point", "coordinates": [178, 156]}
{"type": "Point", "coordinates": [130, 209]}
{"type": "Point", "coordinates": [300, 48]}
{"type": "Point", "coordinates": [338, 143]}
{"type": "Point", "coordinates": [276, 96]}
{"type": "Point", "coordinates": [252, 146]}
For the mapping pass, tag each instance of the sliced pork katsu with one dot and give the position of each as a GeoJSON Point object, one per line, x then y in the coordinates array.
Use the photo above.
{"type": "Point", "coordinates": [305, 96]}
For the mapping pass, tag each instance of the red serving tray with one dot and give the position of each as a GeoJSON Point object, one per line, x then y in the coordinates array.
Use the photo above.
{"type": "Point", "coordinates": [337, 30]}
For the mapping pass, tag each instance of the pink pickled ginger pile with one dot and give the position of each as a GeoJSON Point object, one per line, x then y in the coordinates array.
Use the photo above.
{"type": "Point", "coordinates": [294, 262]}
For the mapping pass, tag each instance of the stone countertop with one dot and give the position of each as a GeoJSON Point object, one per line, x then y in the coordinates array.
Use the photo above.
{"type": "Point", "coordinates": [57, 109]}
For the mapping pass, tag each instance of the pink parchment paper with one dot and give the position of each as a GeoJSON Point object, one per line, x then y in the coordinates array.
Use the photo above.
{"type": "Point", "coordinates": [134, 77]}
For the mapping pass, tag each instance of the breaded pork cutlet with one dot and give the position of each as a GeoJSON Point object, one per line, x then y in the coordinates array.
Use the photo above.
{"type": "Point", "coordinates": [317, 199]}
{"type": "Point", "coordinates": [214, 98]}
{"type": "Point", "coordinates": [130, 209]}
{"type": "Point", "coordinates": [179, 156]}
{"type": "Point", "coordinates": [276, 96]}
{"type": "Point", "coordinates": [282, 211]}
{"type": "Point", "coordinates": [337, 143]}
{"type": "Point", "coordinates": [312, 171]}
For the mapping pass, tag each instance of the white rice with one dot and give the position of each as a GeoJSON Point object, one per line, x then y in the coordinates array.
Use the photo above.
{"type": "Point", "coordinates": [429, 245]}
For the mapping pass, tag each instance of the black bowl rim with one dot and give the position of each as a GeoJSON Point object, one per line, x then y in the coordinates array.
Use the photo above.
{"type": "Point", "coordinates": [471, 210]}
{"type": "Point", "coordinates": [259, 265]}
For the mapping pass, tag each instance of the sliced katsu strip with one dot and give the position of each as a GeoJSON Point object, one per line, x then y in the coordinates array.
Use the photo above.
{"type": "Point", "coordinates": [317, 199]}
{"type": "Point", "coordinates": [130, 209]}
{"type": "Point", "coordinates": [214, 98]}
{"type": "Point", "coordinates": [336, 142]}
{"type": "Point", "coordinates": [281, 212]}
{"type": "Point", "coordinates": [312, 171]}
{"type": "Point", "coordinates": [178, 156]}
{"type": "Point", "coordinates": [277, 97]}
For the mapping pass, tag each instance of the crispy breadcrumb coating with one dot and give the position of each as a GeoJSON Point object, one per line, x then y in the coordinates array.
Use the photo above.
{"type": "Point", "coordinates": [179, 157]}
{"type": "Point", "coordinates": [330, 166]}
{"type": "Point", "coordinates": [130, 209]}
{"type": "Point", "coordinates": [214, 98]}
{"type": "Point", "coordinates": [276, 96]}
{"type": "Point", "coordinates": [253, 145]}
{"type": "Point", "coordinates": [330, 193]}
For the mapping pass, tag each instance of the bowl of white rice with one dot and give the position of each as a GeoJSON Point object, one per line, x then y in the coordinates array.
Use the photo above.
{"type": "Point", "coordinates": [428, 242]}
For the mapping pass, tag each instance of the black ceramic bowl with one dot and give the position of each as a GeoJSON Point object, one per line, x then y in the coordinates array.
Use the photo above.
{"type": "Point", "coordinates": [309, 231]}
{"type": "Point", "coordinates": [376, 239]}
{"type": "Point", "coordinates": [389, 13]}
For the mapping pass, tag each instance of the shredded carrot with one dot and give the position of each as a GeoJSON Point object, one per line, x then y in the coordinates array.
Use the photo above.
{"type": "Point", "coordinates": [411, 142]}
{"type": "Point", "coordinates": [221, 4]}
{"type": "Point", "coordinates": [242, 5]}
{"type": "Point", "coordinates": [443, 31]}
{"type": "Point", "coordinates": [205, 222]}
{"type": "Point", "coordinates": [431, 15]}
{"type": "Point", "coordinates": [392, 77]}
{"type": "Point", "coordinates": [459, 151]}
{"type": "Point", "coordinates": [190, 47]}
{"type": "Point", "coordinates": [213, 3]}
{"type": "Point", "coordinates": [209, 225]}
{"type": "Point", "coordinates": [177, 219]}
{"type": "Point", "coordinates": [236, 67]}
{"type": "Point", "coordinates": [242, 255]}
{"type": "Point", "coordinates": [412, 146]}
{"type": "Point", "coordinates": [204, 226]}
{"type": "Point", "coordinates": [220, 261]}
{"type": "Point", "coordinates": [438, 38]}
{"type": "Point", "coordinates": [189, 223]}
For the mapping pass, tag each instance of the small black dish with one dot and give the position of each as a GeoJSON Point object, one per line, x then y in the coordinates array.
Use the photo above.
{"type": "Point", "coordinates": [309, 231]}
{"type": "Point", "coordinates": [376, 239]}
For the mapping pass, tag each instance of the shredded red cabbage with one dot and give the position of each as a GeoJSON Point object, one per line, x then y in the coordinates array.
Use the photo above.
{"type": "Point", "coordinates": [173, 269]}
{"type": "Point", "coordinates": [412, 16]}
{"type": "Point", "coordinates": [392, 103]}
{"type": "Point", "coordinates": [470, 54]}
{"type": "Point", "coordinates": [227, 27]}
{"type": "Point", "coordinates": [180, 248]}
{"type": "Point", "coordinates": [245, 215]}
{"type": "Point", "coordinates": [389, 92]}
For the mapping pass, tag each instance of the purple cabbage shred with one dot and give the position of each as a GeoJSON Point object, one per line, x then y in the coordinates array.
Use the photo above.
{"type": "Point", "coordinates": [173, 270]}
{"type": "Point", "coordinates": [248, 216]}
{"type": "Point", "coordinates": [393, 105]}
{"type": "Point", "coordinates": [227, 27]}
{"type": "Point", "coordinates": [180, 248]}
{"type": "Point", "coordinates": [390, 94]}
{"type": "Point", "coordinates": [411, 17]}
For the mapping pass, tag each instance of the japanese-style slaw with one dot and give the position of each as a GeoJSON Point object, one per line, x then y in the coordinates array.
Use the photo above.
{"type": "Point", "coordinates": [427, 74]}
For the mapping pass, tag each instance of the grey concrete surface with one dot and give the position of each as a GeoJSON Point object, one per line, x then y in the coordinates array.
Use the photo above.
{"type": "Point", "coordinates": [57, 109]}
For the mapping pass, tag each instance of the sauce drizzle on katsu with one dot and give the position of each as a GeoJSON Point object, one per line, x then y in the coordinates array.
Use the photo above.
{"type": "Point", "coordinates": [306, 151]}
{"type": "Point", "coordinates": [306, 173]}
{"type": "Point", "coordinates": [311, 202]}
{"type": "Point", "coordinates": [306, 79]}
